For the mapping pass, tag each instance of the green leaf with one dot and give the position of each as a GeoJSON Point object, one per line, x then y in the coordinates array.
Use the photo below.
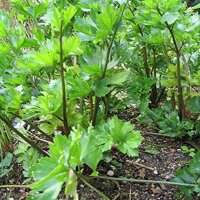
{"type": "Point", "coordinates": [91, 153]}
{"type": "Point", "coordinates": [155, 37]}
{"type": "Point", "coordinates": [3, 31]}
{"type": "Point", "coordinates": [195, 164]}
{"type": "Point", "coordinates": [194, 104]}
{"type": "Point", "coordinates": [92, 69]}
{"type": "Point", "coordinates": [196, 7]}
{"type": "Point", "coordinates": [6, 162]}
{"type": "Point", "coordinates": [101, 89]}
{"type": "Point", "coordinates": [71, 186]}
{"type": "Point", "coordinates": [52, 191]}
{"type": "Point", "coordinates": [118, 78]}
{"type": "Point", "coordinates": [106, 21]}
{"type": "Point", "coordinates": [170, 17]}
{"type": "Point", "coordinates": [124, 137]}
{"type": "Point", "coordinates": [86, 27]}
{"type": "Point", "coordinates": [57, 170]}
{"type": "Point", "coordinates": [71, 45]}
{"type": "Point", "coordinates": [63, 16]}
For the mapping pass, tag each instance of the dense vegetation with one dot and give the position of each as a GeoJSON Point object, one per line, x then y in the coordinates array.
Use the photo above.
{"type": "Point", "coordinates": [68, 67]}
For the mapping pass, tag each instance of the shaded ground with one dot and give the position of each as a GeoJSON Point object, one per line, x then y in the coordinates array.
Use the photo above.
{"type": "Point", "coordinates": [160, 156]}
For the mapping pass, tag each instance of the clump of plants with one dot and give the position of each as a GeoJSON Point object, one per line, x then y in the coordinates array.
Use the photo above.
{"type": "Point", "coordinates": [66, 66]}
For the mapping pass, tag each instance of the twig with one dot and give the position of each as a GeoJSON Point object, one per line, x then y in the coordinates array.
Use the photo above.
{"type": "Point", "coordinates": [14, 186]}
{"type": "Point", "coordinates": [156, 134]}
{"type": "Point", "coordinates": [144, 181]}
{"type": "Point", "coordinates": [140, 165]}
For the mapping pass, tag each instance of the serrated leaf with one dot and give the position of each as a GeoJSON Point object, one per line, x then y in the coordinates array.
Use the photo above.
{"type": "Point", "coordinates": [194, 104]}
{"type": "Point", "coordinates": [101, 89]}
{"type": "Point", "coordinates": [71, 45]}
{"type": "Point", "coordinates": [118, 78]}
{"type": "Point", "coordinates": [170, 17]}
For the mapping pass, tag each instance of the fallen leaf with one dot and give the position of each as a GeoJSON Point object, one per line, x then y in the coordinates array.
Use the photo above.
{"type": "Point", "coordinates": [142, 173]}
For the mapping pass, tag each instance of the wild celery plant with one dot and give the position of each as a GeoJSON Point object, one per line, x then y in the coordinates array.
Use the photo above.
{"type": "Point", "coordinates": [57, 80]}
{"type": "Point", "coordinates": [52, 79]}
{"type": "Point", "coordinates": [64, 167]}
{"type": "Point", "coordinates": [164, 30]}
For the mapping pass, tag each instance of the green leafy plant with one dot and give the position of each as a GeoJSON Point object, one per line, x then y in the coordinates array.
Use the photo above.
{"type": "Point", "coordinates": [190, 151]}
{"type": "Point", "coordinates": [67, 155]}
{"type": "Point", "coordinates": [189, 174]}
{"type": "Point", "coordinates": [27, 157]}
{"type": "Point", "coordinates": [6, 164]}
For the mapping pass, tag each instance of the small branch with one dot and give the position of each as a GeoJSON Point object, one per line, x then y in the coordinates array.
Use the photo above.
{"type": "Point", "coordinates": [39, 130]}
{"type": "Point", "coordinates": [91, 108]}
{"type": "Point", "coordinates": [58, 117]}
{"type": "Point", "coordinates": [144, 181]}
{"type": "Point", "coordinates": [156, 134]}
{"type": "Point", "coordinates": [14, 186]}
{"type": "Point", "coordinates": [44, 153]}
{"type": "Point", "coordinates": [140, 165]}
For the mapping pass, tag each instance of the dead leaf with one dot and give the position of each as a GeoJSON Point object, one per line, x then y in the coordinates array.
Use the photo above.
{"type": "Point", "coordinates": [142, 173]}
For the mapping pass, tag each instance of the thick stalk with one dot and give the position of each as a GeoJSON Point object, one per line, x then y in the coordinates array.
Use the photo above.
{"type": "Point", "coordinates": [96, 107]}
{"type": "Point", "coordinates": [107, 106]}
{"type": "Point", "coordinates": [181, 107]}
{"type": "Point", "coordinates": [173, 101]}
{"type": "Point", "coordinates": [91, 108]}
{"type": "Point", "coordinates": [98, 100]}
{"type": "Point", "coordinates": [145, 60]}
{"type": "Point", "coordinates": [154, 92]}
{"type": "Point", "coordinates": [64, 96]}
{"type": "Point", "coordinates": [187, 73]}
{"type": "Point", "coordinates": [23, 137]}
{"type": "Point", "coordinates": [82, 105]}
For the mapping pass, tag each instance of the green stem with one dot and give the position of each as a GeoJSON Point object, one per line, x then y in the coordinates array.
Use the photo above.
{"type": "Point", "coordinates": [82, 105]}
{"type": "Point", "coordinates": [144, 181]}
{"type": "Point", "coordinates": [34, 127]}
{"type": "Point", "coordinates": [14, 186]}
{"type": "Point", "coordinates": [96, 107]}
{"type": "Point", "coordinates": [111, 43]}
{"type": "Point", "coordinates": [23, 137]}
{"type": "Point", "coordinates": [145, 60]}
{"type": "Point", "coordinates": [181, 106]}
{"type": "Point", "coordinates": [64, 96]}
{"type": "Point", "coordinates": [156, 134]}
{"type": "Point", "coordinates": [107, 106]}
{"type": "Point", "coordinates": [144, 49]}
{"type": "Point", "coordinates": [91, 108]}
{"type": "Point", "coordinates": [97, 100]}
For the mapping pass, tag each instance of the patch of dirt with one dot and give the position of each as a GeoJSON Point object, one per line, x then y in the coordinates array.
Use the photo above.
{"type": "Point", "coordinates": [15, 177]}
{"type": "Point", "coordinates": [157, 167]}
